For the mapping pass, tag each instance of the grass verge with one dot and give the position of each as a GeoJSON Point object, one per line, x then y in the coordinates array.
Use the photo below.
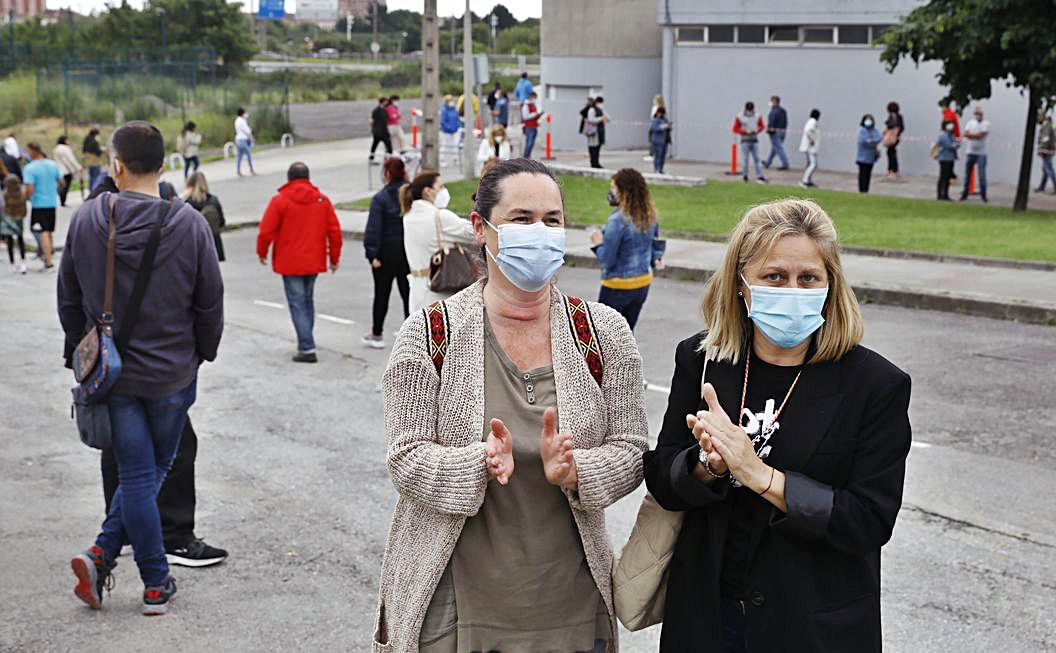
{"type": "Point", "coordinates": [872, 221]}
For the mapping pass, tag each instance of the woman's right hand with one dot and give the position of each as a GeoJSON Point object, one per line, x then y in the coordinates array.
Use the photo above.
{"type": "Point", "coordinates": [715, 461]}
{"type": "Point", "coordinates": [499, 452]}
{"type": "Point", "coordinates": [376, 264]}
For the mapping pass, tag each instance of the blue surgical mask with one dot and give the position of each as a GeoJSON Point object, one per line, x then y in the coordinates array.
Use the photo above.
{"type": "Point", "coordinates": [529, 254]}
{"type": "Point", "coordinates": [787, 316]}
{"type": "Point", "coordinates": [868, 123]}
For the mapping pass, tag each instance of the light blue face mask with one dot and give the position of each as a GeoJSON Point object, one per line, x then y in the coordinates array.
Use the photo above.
{"type": "Point", "coordinates": [787, 316]}
{"type": "Point", "coordinates": [529, 254]}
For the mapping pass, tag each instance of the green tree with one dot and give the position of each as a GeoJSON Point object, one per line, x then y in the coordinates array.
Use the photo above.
{"type": "Point", "coordinates": [981, 41]}
{"type": "Point", "coordinates": [506, 19]}
{"type": "Point", "coordinates": [522, 39]}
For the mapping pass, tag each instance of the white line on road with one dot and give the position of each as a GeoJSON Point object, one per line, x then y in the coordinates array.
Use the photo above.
{"type": "Point", "coordinates": [321, 316]}
{"type": "Point", "coordinates": [657, 388]}
{"type": "Point", "coordinates": [922, 445]}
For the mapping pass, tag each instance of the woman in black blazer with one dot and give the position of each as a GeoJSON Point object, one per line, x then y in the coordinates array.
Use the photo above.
{"type": "Point", "coordinates": [787, 507]}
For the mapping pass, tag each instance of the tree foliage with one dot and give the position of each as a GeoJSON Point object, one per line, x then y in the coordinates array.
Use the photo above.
{"type": "Point", "coordinates": [981, 41]}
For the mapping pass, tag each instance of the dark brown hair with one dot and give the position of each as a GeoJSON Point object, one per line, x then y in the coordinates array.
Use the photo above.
{"type": "Point", "coordinates": [488, 195]}
{"type": "Point", "coordinates": [394, 169]}
{"type": "Point", "coordinates": [413, 191]}
{"type": "Point", "coordinates": [636, 203]}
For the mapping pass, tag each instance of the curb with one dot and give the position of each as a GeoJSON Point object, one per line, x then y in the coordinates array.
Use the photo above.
{"type": "Point", "coordinates": [607, 173]}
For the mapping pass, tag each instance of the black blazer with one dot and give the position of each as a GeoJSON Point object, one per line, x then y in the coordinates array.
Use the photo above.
{"type": "Point", "coordinates": [814, 581]}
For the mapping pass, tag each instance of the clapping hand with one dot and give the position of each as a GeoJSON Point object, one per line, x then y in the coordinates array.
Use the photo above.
{"type": "Point", "coordinates": [731, 443]}
{"type": "Point", "coordinates": [558, 463]}
{"type": "Point", "coordinates": [499, 452]}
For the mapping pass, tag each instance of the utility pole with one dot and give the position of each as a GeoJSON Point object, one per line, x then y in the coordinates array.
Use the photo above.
{"type": "Point", "coordinates": [374, 45]}
{"type": "Point", "coordinates": [430, 87]}
{"type": "Point", "coordinates": [469, 147]}
{"type": "Point", "coordinates": [349, 19]}
{"type": "Point", "coordinates": [452, 21]}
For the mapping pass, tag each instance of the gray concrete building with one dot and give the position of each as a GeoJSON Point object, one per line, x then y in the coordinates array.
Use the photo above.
{"type": "Point", "coordinates": [708, 58]}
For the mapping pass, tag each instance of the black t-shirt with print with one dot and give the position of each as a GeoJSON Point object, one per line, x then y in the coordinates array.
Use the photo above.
{"type": "Point", "coordinates": [749, 511]}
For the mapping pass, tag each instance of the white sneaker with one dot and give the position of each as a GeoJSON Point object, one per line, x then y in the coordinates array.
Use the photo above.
{"type": "Point", "coordinates": [373, 341]}
{"type": "Point", "coordinates": [22, 269]}
{"type": "Point", "coordinates": [14, 269]}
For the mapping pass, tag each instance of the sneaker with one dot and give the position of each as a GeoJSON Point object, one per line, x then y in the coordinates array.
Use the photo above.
{"type": "Point", "coordinates": [196, 553]}
{"type": "Point", "coordinates": [744, 179]}
{"type": "Point", "coordinates": [306, 357]}
{"type": "Point", "coordinates": [93, 575]}
{"type": "Point", "coordinates": [766, 164]}
{"type": "Point", "coordinates": [14, 269]}
{"type": "Point", "coordinates": [761, 180]}
{"type": "Point", "coordinates": [373, 341]}
{"type": "Point", "coordinates": [783, 168]}
{"type": "Point", "coordinates": [156, 599]}
{"type": "Point", "coordinates": [22, 269]}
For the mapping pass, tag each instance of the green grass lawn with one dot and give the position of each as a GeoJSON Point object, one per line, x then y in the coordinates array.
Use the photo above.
{"type": "Point", "coordinates": [862, 220]}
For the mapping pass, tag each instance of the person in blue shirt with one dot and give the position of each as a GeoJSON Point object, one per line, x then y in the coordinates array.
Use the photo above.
{"type": "Point", "coordinates": [523, 89]}
{"type": "Point", "coordinates": [629, 247]}
{"type": "Point", "coordinates": [450, 125]}
{"type": "Point", "coordinates": [659, 135]}
{"type": "Point", "coordinates": [947, 145]}
{"type": "Point", "coordinates": [41, 180]}
{"type": "Point", "coordinates": [868, 151]}
{"type": "Point", "coordinates": [777, 127]}
{"type": "Point", "coordinates": [501, 113]}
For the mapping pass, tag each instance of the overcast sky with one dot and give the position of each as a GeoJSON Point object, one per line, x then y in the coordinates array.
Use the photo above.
{"type": "Point", "coordinates": [521, 9]}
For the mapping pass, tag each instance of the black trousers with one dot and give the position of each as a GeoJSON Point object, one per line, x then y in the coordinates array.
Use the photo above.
{"type": "Point", "coordinates": [65, 190]}
{"type": "Point", "coordinates": [865, 175]}
{"type": "Point", "coordinates": [11, 247]}
{"type": "Point", "coordinates": [176, 501]}
{"type": "Point", "coordinates": [892, 159]}
{"type": "Point", "coordinates": [394, 267]}
{"type": "Point", "coordinates": [945, 174]}
{"type": "Point", "coordinates": [595, 155]}
{"type": "Point", "coordinates": [381, 138]}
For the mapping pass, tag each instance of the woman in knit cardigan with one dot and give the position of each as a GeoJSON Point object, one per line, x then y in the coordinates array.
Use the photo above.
{"type": "Point", "coordinates": [506, 444]}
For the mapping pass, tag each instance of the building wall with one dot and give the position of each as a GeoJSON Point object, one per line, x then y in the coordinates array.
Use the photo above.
{"type": "Point", "coordinates": [710, 85]}
{"type": "Point", "coordinates": [600, 28]}
{"type": "Point", "coordinates": [22, 8]}
{"type": "Point", "coordinates": [627, 84]}
{"type": "Point", "coordinates": [798, 12]}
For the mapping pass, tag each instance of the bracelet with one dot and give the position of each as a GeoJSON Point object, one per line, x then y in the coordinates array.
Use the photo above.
{"type": "Point", "coordinates": [703, 457]}
{"type": "Point", "coordinates": [771, 484]}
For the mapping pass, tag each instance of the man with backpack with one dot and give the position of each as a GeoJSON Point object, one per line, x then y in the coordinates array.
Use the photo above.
{"type": "Point", "coordinates": [163, 330]}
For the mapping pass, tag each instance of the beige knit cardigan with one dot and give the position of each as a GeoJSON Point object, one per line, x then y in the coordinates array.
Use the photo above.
{"type": "Point", "coordinates": [436, 457]}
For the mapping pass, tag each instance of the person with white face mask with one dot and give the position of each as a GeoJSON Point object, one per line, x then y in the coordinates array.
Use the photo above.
{"type": "Point", "coordinates": [945, 152]}
{"type": "Point", "coordinates": [515, 415]}
{"type": "Point", "coordinates": [868, 151]}
{"type": "Point", "coordinates": [496, 147]}
{"type": "Point", "coordinates": [425, 219]}
{"type": "Point", "coordinates": [784, 447]}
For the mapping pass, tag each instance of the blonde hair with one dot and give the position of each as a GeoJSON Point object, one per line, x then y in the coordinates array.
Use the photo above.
{"type": "Point", "coordinates": [198, 187]}
{"type": "Point", "coordinates": [495, 131]}
{"type": "Point", "coordinates": [730, 328]}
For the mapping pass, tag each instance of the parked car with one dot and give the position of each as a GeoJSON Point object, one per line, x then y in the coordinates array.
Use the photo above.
{"type": "Point", "coordinates": [328, 53]}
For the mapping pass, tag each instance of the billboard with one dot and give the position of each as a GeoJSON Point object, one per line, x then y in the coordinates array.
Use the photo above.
{"type": "Point", "coordinates": [317, 10]}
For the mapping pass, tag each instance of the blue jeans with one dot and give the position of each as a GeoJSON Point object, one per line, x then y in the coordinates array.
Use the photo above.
{"type": "Point", "coordinates": [777, 147]}
{"type": "Point", "coordinates": [146, 434]}
{"type": "Point", "coordinates": [530, 133]}
{"type": "Point", "coordinates": [300, 295]}
{"type": "Point", "coordinates": [659, 156]}
{"type": "Point", "coordinates": [187, 161]}
{"type": "Point", "coordinates": [972, 161]}
{"type": "Point", "coordinates": [243, 151]}
{"type": "Point", "coordinates": [95, 173]}
{"type": "Point", "coordinates": [734, 626]}
{"type": "Point", "coordinates": [627, 303]}
{"type": "Point", "coordinates": [751, 151]}
{"type": "Point", "coordinates": [1047, 172]}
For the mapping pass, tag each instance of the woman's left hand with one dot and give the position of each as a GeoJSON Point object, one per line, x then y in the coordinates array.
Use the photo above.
{"type": "Point", "coordinates": [733, 444]}
{"type": "Point", "coordinates": [559, 465]}
{"type": "Point", "coordinates": [596, 237]}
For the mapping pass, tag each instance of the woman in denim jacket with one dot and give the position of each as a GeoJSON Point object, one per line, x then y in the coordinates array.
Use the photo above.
{"type": "Point", "coordinates": [629, 246]}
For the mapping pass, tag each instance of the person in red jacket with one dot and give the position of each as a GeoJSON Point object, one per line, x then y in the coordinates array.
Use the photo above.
{"type": "Point", "coordinates": [301, 222]}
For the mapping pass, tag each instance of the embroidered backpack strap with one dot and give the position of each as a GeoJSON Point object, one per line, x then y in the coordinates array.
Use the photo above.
{"type": "Point", "coordinates": [437, 325]}
{"type": "Point", "coordinates": [581, 322]}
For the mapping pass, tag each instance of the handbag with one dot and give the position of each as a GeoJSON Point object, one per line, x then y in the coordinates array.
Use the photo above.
{"type": "Point", "coordinates": [890, 138]}
{"type": "Point", "coordinates": [639, 583]}
{"type": "Point", "coordinates": [935, 150]}
{"type": "Point", "coordinates": [452, 268]}
{"type": "Point", "coordinates": [97, 358]}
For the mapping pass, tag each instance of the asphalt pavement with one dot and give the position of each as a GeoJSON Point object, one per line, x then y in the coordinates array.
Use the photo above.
{"type": "Point", "coordinates": [292, 476]}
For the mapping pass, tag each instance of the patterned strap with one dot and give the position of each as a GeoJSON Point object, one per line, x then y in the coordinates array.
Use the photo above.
{"type": "Point", "coordinates": [582, 324]}
{"type": "Point", "coordinates": [436, 321]}
{"type": "Point", "coordinates": [579, 320]}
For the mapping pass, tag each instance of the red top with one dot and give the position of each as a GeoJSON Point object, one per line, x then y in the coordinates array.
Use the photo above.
{"type": "Point", "coordinates": [394, 114]}
{"type": "Point", "coordinates": [532, 123]}
{"type": "Point", "coordinates": [739, 129]}
{"type": "Point", "coordinates": [950, 114]}
{"type": "Point", "coordinates": [301, 222]}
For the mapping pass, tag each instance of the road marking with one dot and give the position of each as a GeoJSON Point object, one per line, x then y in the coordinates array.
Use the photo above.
{"type": "Point", "coordinates": [922, 445]}
{"type": "Point", "coordinates": [321, 316]}
{"type": "Point", "coordinates": [657, 388]}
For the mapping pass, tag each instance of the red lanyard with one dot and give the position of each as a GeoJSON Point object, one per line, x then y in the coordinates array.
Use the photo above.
{"type": "Point", "coordinates": [744, 393]}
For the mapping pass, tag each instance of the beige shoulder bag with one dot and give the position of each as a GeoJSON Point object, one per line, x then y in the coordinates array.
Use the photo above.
{"type": "Point", "coordinates": [639, 584]}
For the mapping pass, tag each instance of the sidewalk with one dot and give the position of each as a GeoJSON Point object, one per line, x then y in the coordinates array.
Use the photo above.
{"type": "Point", "coordinates": [1024, 295]}
{"type": "Point", "coordinates": [999, 194]}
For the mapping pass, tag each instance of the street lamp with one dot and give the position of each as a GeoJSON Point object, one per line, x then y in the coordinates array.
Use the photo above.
{"type": "Point", "coordinates": [160, 13]}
